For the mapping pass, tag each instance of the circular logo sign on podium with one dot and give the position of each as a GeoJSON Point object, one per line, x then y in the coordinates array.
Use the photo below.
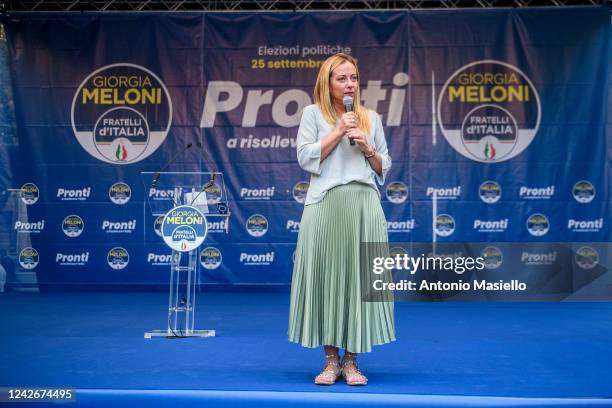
{"type": "Point", "coordinates": [184, 228]}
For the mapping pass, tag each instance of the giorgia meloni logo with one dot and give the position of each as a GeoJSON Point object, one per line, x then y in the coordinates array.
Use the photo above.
{"type": "Point", "coordinates": [121, 113]}
{"type": "Point", "coordinates": [489, 111]}
{"type": "Point", "coordinates": [184, 228]}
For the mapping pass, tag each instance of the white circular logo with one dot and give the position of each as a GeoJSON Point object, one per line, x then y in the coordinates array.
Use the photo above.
{"type": "Point", "coordinates": [489, 111]}
{"type": "Point", "coordinates": [493, 257]}
{"type": "Point", "coordinates": [445, 225]}
{"type": "Point", "coordinates": [210, 258]}
{"type": "Point", "coordinates": [73, 226]}
{"type": "Point", "coordinates": [118, 258]}
{"type": "Point", "coordinates": [489, 192]}
{"type": "Point", "coordinates": [300, 189]}
{"type": "Point", "coordinates": [583, 192]}
{"type": "Point", "coordinates": [184, 228]}
{"type": "Point", "coordinates": [257, 225]}
{"type": "Point", "coordinates": [586, 257]}
{"type": "Point", "coordinates": [397, 192]}
{"type": "Point", "coordinates": [538, 225]}
{"type": "Point", "coordinates": [121, 113]}
{"type": "Point", "coordinates": [28, 258]}
{"type": "Point", "coordinates": [29, 193]}
{"type": "Point", "coordinates": [120, 193]}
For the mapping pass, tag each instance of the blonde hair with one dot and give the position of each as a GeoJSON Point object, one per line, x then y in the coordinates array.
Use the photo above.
{"type": "Point", "coordinates": [322, 94]}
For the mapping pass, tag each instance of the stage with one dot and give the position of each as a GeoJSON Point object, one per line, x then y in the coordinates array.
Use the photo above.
{"type": "Point", "coordinates": [447, 354]}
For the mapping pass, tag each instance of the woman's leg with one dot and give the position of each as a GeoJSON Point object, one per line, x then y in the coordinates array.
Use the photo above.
{"type": "Point", "coordinates": [350, 371]}
{"type": "Point", "coordinates": [331, 372]}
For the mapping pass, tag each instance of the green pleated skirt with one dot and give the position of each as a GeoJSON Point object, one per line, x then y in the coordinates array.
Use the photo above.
{"type": "Point", "coordinates": [326, 304]}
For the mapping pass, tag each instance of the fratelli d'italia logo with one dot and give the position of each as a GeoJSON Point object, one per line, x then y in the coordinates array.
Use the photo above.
{"type": "Point", "coordinates": [489, 111]}
{"type": "Point", "coordinates": [538, 225]}
{"type": "Point", "coordinates": [492, 256]}
{"type": "Point", "coordinates": [158, 224]}
{"type": "Point", "coordinates": [397, 192]}
{"type": "Point", "coordinates": [583, 192]}
{"type": "Point", "coordinates": [73, 226]}
{"type": "Point", "coordinates": [445, 225]}
{"type": "Point", "coordinates": [210, 258]}
{"type": "Point", "coordinates": [489, 192]}
{"type": "Point", "coordinates": [257, 225]}
{"type": "Point", "coordinates": [28, 258]}
{"type": "Point", "coordinates": [121, 113]}
{"type": "Point", "coordinates": [29, 193]}
{"type": "Point", "coordinates": [184, 228]}
{"type": "Point", "coordinates": [299, 191]}
{"type": "Point", "coordinates": [120, 193]}
{"type": "Point", "coordinates": [118, 258]}
{"type": "Point", "coordinates": [213, 194]}
{"type": "Point", "coordinates": [586, 257]}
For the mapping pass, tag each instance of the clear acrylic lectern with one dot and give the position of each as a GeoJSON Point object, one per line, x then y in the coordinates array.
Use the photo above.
{"type": "Point", "coordinates": [206, 192]}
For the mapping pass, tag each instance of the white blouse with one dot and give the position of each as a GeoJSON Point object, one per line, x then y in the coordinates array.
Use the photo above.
{"type": "Point", "coordinates": [345, 163]}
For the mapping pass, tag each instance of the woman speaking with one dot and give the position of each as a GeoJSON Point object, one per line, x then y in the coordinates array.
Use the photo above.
{"type": "Point", "coordinates": [346, 153]}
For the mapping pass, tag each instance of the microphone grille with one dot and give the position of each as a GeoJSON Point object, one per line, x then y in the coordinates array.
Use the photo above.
{"type": "Point", "coordinates": [347, 100]}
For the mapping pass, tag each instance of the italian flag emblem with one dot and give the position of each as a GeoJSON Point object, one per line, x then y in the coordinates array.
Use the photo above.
{"type": "Point", "coordinates": [121, 152]}
{"type": "Point", "coordinates": [489, 151]}
{"type": "Point", "coordinates": [183, 245]}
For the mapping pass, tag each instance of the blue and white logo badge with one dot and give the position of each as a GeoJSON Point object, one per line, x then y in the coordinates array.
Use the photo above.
{"type": "Point", "coordinates": [210, 258]}
{"type": "Point", "coordinates": [489, 111]}
{"type": "Point", "coordinates": [490, 192]}
{"type": "Point", "coordinates": [397, 250]}
{"type": "Point", "coordinates": [29, 193]}
{"type": "Point", "coordinates": [397, 192]}
{"type": "Point", "coordinates": [158, 224]}
{"type": "Point", "coordinates": [214, 194]}
{"type": "Point", "coordinates": [538, 225]}
{"type": "Point", "coordinates": [586, 257]}
{"type": "Point", "coordinates": [28, 258]}
{"type": "Point", "coordinates": [73, 226]}
{"type": "Point", "coordinates": [257, 225]}
{"type": "Point", "coordinates": [121, 113]}
{"type": "Point", "coordinates": [583, 192]}
{"type": "Point", "coordinates": [445, 225]}
{"type": "Point", "coordinates": [184, 228]}
{"type": "Point", "coordinates": [118, 258]}
{"type": "Point", "coordinates": [299, 191]}
{"type": "Point", "coordinates": [493, 257]}
{"type": "Point", "coordinates": [120, 193]}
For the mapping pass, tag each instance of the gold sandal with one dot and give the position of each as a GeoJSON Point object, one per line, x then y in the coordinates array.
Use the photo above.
{"type": "Point", "coordinates": [329, 376]}
{"type": "Point", "coordinates": [352, 376]}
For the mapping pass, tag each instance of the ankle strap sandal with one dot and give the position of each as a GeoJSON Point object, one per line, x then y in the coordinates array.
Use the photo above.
{"type": "Point", "coordinates": [351, 372]}
{"type": "Point", "coordinates": [329, 375]}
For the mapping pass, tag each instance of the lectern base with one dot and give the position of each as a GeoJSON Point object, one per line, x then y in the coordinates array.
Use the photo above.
{"type": "Point", "coordinates": [168, 333]}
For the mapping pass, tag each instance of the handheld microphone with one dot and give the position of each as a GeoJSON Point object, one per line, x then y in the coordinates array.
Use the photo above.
{"type": "Point", "coordinates": [155, 181]}
{"type": "Point", "coordinates": [348, 107]}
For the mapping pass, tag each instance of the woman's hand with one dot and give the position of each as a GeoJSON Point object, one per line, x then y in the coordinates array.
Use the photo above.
{"type": "Point", "coordinates": [347, 121]}
{"type": "Point", "coordinates": [360, 140]}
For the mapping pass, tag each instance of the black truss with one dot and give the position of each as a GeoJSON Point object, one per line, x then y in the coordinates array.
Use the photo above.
{"type": "Point", "coordinates": [281, 5]}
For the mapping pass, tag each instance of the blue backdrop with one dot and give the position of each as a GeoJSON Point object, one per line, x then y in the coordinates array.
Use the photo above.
{"type": "Point", "coordinates": [503, 115]}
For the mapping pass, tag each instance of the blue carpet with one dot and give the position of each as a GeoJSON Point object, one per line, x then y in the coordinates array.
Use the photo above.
{"type": "Point", "coordinates": [95, 341]}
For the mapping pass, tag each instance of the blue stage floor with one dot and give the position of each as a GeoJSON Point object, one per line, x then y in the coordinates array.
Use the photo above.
{"type": "Point", "coordinates": [447, 354]}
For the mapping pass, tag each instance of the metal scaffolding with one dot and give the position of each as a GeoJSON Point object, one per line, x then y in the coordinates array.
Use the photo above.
{"type": "Point", "coordinates": [281, 5]}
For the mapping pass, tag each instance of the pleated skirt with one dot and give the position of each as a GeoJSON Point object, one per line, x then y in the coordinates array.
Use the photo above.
{"type": "Point", "coordinates": [326, 304]}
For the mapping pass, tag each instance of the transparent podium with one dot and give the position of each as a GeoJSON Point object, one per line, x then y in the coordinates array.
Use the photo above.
{"type": "Point", "coordinates": [182, 204]}
{"type": "Point", "coordinates": [18, 259]}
